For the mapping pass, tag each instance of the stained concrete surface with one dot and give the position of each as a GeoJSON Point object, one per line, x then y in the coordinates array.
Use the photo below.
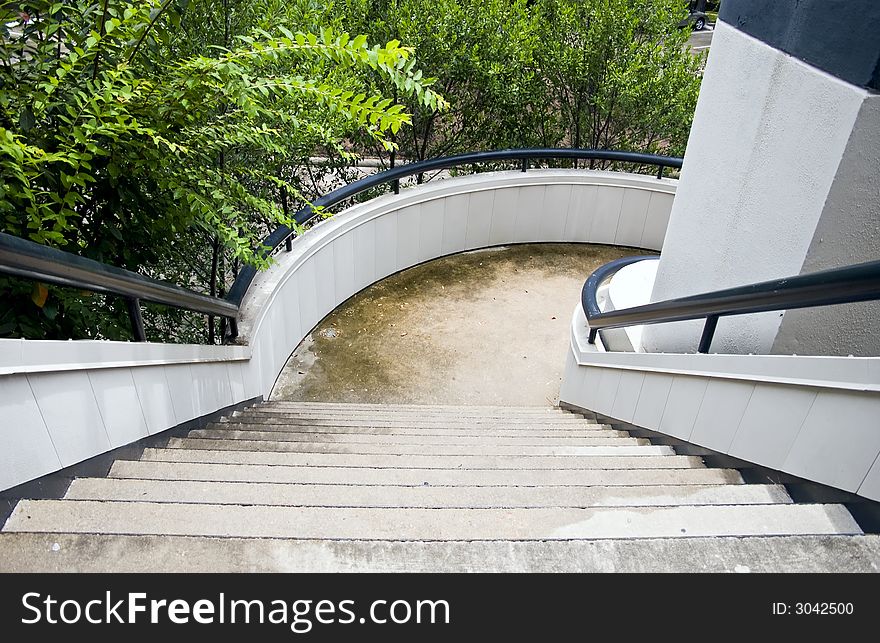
{"type": "Point", "coordinates": [484, 327]}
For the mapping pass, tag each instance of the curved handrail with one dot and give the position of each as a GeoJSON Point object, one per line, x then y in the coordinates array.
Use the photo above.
{"type": "Point", "coordinates": [283, 233]}
{"type": "Point", "coordinates": [24, 258]}
{"type": "Point", "coordinates": [850, 284]}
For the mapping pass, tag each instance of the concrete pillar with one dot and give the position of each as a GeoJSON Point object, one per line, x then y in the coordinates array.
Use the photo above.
{"type": "Point", "coordinates": [781, 175]}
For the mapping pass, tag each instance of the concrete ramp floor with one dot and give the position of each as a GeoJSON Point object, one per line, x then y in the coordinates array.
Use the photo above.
{"type": "Point", "coordinates": [483, 327]}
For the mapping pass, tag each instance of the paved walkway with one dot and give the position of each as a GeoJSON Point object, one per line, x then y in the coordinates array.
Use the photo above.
{"type": "Point", "coordinates": [485, 327]}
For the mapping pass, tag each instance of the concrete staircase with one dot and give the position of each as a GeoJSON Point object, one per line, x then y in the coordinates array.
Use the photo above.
{"type": "Point", "coordinates": [320, 487]}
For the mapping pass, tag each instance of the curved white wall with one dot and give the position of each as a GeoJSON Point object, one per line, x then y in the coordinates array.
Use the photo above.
{"type": "Point", "coordinates": [814, 417]}
{"type": "Point", "coordinates": [63, 402]}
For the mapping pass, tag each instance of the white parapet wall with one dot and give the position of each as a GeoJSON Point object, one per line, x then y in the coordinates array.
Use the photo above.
{"type": "Point", "coordinates": [64, 402]}
{"type": "Point", "coordinates": [817, 418]}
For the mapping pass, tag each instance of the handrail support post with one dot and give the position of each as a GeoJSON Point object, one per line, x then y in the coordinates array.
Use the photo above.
{"type": "Point", "coordinates": [137, 319]}
{"type": "Point", "coordinates": [708, 334]}
{"type": "Point", "coordinates": [592, 338]}
{"type": "Point", "coordinates": [659, 171]}
{"type": "Point", "coordinates": [525, 164]}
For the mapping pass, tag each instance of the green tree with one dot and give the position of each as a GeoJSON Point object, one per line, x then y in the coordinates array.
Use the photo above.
{"type": "Point", "coordinates": [618, 72]}
{"type": "Point", "coordinates": [125, 125]}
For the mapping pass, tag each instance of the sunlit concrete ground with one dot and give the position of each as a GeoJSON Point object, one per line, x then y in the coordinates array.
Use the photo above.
{"type": "Point", "coordinates": [484, 327]}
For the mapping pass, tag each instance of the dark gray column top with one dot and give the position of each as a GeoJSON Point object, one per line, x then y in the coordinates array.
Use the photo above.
{"type": "Point", "coordinates": [841, 37]}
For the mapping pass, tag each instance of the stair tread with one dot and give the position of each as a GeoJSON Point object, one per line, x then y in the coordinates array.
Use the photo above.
{"type": "Point", "coordinates": [400, 475]}
{"type": "Point", "coordinates": [415, 422]}
{"type": "Point", "coordinates": [417, 496]}
{"type": "Point", "coordinates": [418, 449]}
{"type": "Point", "coordinates": [65, 552]}
{"type": "Point", "coordinates": [356, 438]}
{"type": "Point", "coordinates": [596, 431]}
{"type": "Point", "coordinates": [88, 516]}
{"type": "Point", "coordinates": [385, 460]}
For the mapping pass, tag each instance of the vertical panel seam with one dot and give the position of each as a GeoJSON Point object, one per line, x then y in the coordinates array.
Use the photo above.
{"type": "Point", "coordinates": [801, 427]}
{"type": "Point", "coordinates": [739, 424]}
{"type": "Point", "coordinates": [43, 418]}
{"type": "Point", "coordinates": [98, 406]}
{"type": "Point", "coordinates": [137, 394]}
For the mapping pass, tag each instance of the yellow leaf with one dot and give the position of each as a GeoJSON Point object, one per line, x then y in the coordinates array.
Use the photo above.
{"type": "Point", "coordinates": [39, 295]}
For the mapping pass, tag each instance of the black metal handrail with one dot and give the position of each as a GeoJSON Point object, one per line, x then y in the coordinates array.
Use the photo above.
{"type": "Point", "coordinates": [30, 260]}
{"type": "Point", "coordinates": [283, 234]}
{"type": "Point", "coordinates": [24, 258]}
{"type": "Point", "coordinates": [860, 282]}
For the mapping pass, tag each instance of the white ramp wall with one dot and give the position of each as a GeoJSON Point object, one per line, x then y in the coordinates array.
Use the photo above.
{"type": "Point", "coordinates": [814, 417]}
{"type": "Point", "coordinates": [63, 402]}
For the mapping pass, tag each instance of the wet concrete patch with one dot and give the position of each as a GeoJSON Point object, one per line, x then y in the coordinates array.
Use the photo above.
{"type": "Point", "coordinates": [483, 327]}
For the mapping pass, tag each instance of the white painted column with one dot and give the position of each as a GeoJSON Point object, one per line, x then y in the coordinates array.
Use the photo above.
{"type": "Point", "coordinates": [780, 178]}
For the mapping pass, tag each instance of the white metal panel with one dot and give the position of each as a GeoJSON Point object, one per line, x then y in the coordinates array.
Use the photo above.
{"type": "Point", "coordinates": [180, 385]}
{"type": "Point", "coordinates": [264, 356]}
{"type": "Point", "coordinates": [151, 385]}
{"type": "Point", "coordinates": [455, 218]}
{"type": "Point", "coordinates": [656, 220]}
{"type": "Point", "coordinates": [770, 423]}
{"type": "Point", "coordinates": [343, 267]}
{"type": "Point", "coordinates": [26, 449]}
{"type": "Point", "coordinates": [235, 372]}
{"type": "Point", "coordinates": [325, 281]}
{"type": "Point", "coordinates": [628, 391]}
{"type": "Point", "coordinates": [290, 305]}
{"type": "Point", "coordinates": [504, 214]}
{"type": "Point", "coordinates": [281, 347]}
{"type": "Point", "coordinates": [479, 219]}
{"type": "Point", "coordinates": [870, 487]}
{"type": "Point", "coordinates": [71, 414]}
{"type": "Point", "coordinates": [431, 230]}
{"type": "Point", "coordinates": [652, 400]}
{"type": "Point", "coordinates": [250, 377]}
{"type": "Point", "coordinates": [386, 246]}
{"type": "Point", "coordinates": [531, 210]}
{"type": "Point", "coordinates": [554, 212]}
{"type": "Point", "coordinates": [682, 406]}
{"type": "Point", "coordinates": [839, 439]}
{"type": "Point", "coordinates": [589, 393]}
{"type": "Point", "coordinates": [408, 236]}
{"type": "Point", "coordinates": [609, 200]}
{"type": "Point", "coordinates": [308, 297]}
{"type": "Point", "coordinates": [364, 238]}
{"type": "Point", "coordinates": [572, 376]}
{"type": "Point", "coordinates": [633, 212]}
{"type": "Point", "coordinates": [211, 386]}
{"type": "Point", "coordinates": [119, 405]}
{"type": "Point", "coordinates": [581, 212]}
{"type": "Point", "coordinates": [607, 391]}
{"type": "Point", "coordinates": [723, 406]}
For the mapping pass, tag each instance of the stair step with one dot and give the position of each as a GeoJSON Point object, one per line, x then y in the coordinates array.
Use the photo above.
{"type": "Point", "coordinates": [156, 470]}
{"type": "Point", "coordinates": [356, 407]}
{"type": "Point", "coordinates": [254, 493]}
{"type": "Point", "coordinates": [590, 431]}
{"type": "Point", "coordinates": [87, 516]}
{"type": "Point", "coordinates": [416, 449]}
{"type": "Point", "coordinates": [384, 460]}
{"type": "Point", "coordinates": [65, 552]}
{"type": "Point", "coordinates": [416, 422]}
{"type": "Point", "coordinates": [367, 438]}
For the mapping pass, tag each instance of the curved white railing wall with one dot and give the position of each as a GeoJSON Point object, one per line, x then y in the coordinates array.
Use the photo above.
{"type": "Point", "coordinates": [817, 418]}
{"type": "Point", "coordinates": [63, 402]}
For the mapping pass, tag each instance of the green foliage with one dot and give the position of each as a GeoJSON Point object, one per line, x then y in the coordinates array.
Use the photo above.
{"type": "Point", "coordinates": [517, 73]}
{"type": "Point", "coordinates": [169, 136]}
{"type": "Point", "coordinates": [117, 138]}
